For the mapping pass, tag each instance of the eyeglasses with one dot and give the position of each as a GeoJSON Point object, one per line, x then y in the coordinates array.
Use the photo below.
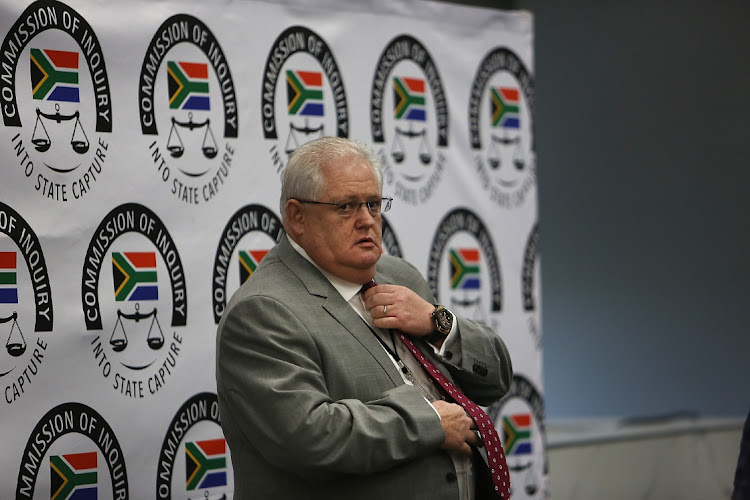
{"type": "Point", "coordinates": [346, 209]}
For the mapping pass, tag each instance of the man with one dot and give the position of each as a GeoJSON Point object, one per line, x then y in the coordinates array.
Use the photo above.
{"type": "Point", "coordinates": [318, 397]}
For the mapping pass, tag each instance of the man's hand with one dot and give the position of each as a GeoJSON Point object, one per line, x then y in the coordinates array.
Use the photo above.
{"type": "Point", "coordinates": [399, 308]}
{"type": "Point", "coordinates": [458, 427]}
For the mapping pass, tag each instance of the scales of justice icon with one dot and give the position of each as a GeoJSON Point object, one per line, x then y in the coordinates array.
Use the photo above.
{"type": "Point", "coordinates": [176, 147]}
{"type": "Point", "coordinates": [16, 344]}
{"type": "Point", "coordinates": [397, 148]}
{"type": "Point", "coordinates": [40, 138]}
{"type": "Point", "coordinates": [308, 132]}
{"type": "Point", "coordinates": [154, 337]}
{"type": "Point", "coordinates": [493, 155]}
{"type": "Point", "coordinates": [530, 479]}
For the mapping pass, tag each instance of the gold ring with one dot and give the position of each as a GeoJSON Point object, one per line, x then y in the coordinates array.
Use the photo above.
{"type": "Point", "coordinates": [384, 313]}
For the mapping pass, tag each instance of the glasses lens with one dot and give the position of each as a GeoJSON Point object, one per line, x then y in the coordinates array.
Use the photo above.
{"type": "Point", "coordinates": [346, 208]}
{"type": "Point", "coordinates": [373, 206]}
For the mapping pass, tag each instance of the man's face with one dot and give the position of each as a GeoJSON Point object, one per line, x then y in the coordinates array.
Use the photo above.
{"type": "Point", "coordinates": [348, 248]}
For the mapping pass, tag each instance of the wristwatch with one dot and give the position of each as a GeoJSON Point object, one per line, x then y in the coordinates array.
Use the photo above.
{"type": "Point", "coordinates": [443, 320]}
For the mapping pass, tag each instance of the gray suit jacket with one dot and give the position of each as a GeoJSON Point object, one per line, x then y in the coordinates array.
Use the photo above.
{"type": "Point", "coordinates": [311, 405]}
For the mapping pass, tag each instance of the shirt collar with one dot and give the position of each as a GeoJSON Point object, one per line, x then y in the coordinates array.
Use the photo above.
{"type": "Point", "coordinates": [345, 288]}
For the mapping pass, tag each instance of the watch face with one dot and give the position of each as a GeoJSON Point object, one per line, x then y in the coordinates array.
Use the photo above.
{"type": "Point", "coordinates": [443, 321]}
{"type": "Point", "coordinates": [445, 318]}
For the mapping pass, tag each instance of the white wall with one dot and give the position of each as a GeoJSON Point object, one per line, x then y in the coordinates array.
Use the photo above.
{"type": "Point", "coordinates": [643, 144]}
{"type": "Point", "coordinates": [595, 460]}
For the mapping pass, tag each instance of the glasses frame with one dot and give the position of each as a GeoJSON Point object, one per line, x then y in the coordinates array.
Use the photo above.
{"type": "Point", "coordinates": [385, 205]}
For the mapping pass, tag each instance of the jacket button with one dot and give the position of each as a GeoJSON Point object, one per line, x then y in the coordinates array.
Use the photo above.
{"type": "Point", "coordinates": [448, 355]}
{"type": "Point", "coordinates": [451, 477]}
{"type": "Point", "coordinates": [479, 368]}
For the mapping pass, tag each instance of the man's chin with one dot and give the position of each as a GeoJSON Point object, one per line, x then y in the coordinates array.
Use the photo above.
{"type": "Point", "coordinates": [371, 257]}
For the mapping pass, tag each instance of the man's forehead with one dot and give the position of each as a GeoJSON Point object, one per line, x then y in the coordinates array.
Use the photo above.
{"type": "Point", "coordinates": [338, 164]}
{"type": "Point", "coordinates": [354, 175]}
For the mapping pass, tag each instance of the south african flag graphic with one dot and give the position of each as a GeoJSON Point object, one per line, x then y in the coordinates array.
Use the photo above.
{"type": "Point", "coordinates": [517, 434]}
{"type": "Point", "coordinates": [188, 85]}
{"type": "Point", "coordinates": [134, 276]}
{"type": "Point", "coordinates": [73, 476]}
{"type": "Point", "coordinates": [409, 99]}
{"type": "Point", "coordinates": [54, 75]}
{"type": "Point", "coordinates": [205, 464]}
{"type": "Point", "coordinates": [464, 264]}
{"type": "Point", "coordinates": [504, 107]}
{"type": "Point", "coordinates": [249, 261]}
{"type": "Point", "coordinates": [8, 278]}
{"type": "Point", "coordinates": [305, 93]}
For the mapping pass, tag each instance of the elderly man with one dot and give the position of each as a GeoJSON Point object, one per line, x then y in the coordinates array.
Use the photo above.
{"type": "Point", "coordinates": [321, 390]}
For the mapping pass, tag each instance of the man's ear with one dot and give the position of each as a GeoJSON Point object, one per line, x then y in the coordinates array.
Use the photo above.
{"type": "Point", "coordinates": [295, 216]}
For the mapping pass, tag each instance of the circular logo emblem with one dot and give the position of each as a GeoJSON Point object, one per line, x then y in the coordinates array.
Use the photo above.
{"type": "Point", "coordinates": [409, 119]}
{"type": "Point", "coordinates": [25, 304]}
{"type": "Point", "coordinates": [55, 94]}
{"type": "Point", "coordinates": [303, 95]}
{"type": "Point", "coordinates": [246, 239]}
{"type": "Point", "coordinates": [191, 143]}
{"type": "Point", "coordinates": [464, 270]}
{"type": "Point", "coordinates": [194, 461]}
{"type": "Point", "coordinates": [519, 415]}
{"type": "Point", "coordinates": [72, 453]}
{"type": "Point", "coordinates": [134, 300]}
{"type": "Point", "coordinates": [500, 126]}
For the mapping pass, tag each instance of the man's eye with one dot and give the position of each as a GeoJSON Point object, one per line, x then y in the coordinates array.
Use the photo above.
{"type": "Point", "coordinates": [345, 207]}
{"type": "Point", "coordinates": [372, 205]}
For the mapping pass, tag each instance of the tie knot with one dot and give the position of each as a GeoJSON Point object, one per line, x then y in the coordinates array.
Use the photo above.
{"type": "Point", "coordinates": [367, 286]}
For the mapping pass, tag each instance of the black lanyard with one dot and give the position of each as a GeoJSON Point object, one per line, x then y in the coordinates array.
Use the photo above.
{"type": "Point", "coordinates": [390, 351]}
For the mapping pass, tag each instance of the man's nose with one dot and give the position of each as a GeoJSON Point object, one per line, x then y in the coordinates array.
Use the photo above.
{"type": "Point", "coordinates": [363, 217]}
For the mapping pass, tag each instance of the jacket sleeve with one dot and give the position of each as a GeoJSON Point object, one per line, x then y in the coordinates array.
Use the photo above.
{"type": "Point", "coordinates": [479, 362]}
{"type": "Point", "coordinates": [271, 381]}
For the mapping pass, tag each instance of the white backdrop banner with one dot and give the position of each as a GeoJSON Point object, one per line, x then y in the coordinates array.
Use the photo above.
{"type": "Point", "coordinates": [142, 145]}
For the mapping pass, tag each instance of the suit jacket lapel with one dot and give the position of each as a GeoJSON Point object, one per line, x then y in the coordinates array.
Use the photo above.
{"type": "Point", "coordinates": [335, 305]}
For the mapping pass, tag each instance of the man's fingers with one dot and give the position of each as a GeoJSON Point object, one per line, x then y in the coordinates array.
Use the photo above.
{"type": "Point", "coordinates": [458, 426]}
{"type": "Point", "coordinates": [465, 450]}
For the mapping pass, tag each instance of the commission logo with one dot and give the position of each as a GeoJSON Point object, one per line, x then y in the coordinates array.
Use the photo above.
{"type": "Point", "coordinates": [25, 304]}
{"type": "Point", "coordinates": [191, 144]}
{"type": "Point", "coordinates": [194, 461]}
{"type": "Point", "coordinates": [530, 285]}
{"type": "Point", "coordinates": [246, 239]}
{"type": "Point", "coordinates": [134, 299]}
{"type": "Point", "coordinates": [303, 96]}
{"type": "Point", "coordinates": [520, 417]}
{"type": "Point", "coordinates": [463, 268]}
{"type": "Point", "coordinates": [56, 100]}
{"type": "Point", "coordinates": [409, 119]}
{"type": "Point", "coordinates": [73, 454]}
{"type": "Point", "coordinates": [501, 109]}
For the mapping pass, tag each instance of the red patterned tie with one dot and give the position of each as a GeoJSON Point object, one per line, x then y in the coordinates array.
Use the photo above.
{"type": "Point", "coordinates": [492, 444]}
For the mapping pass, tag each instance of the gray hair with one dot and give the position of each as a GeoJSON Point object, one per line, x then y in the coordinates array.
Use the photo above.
{"type": "Point", "coordinates": [303, 175]}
